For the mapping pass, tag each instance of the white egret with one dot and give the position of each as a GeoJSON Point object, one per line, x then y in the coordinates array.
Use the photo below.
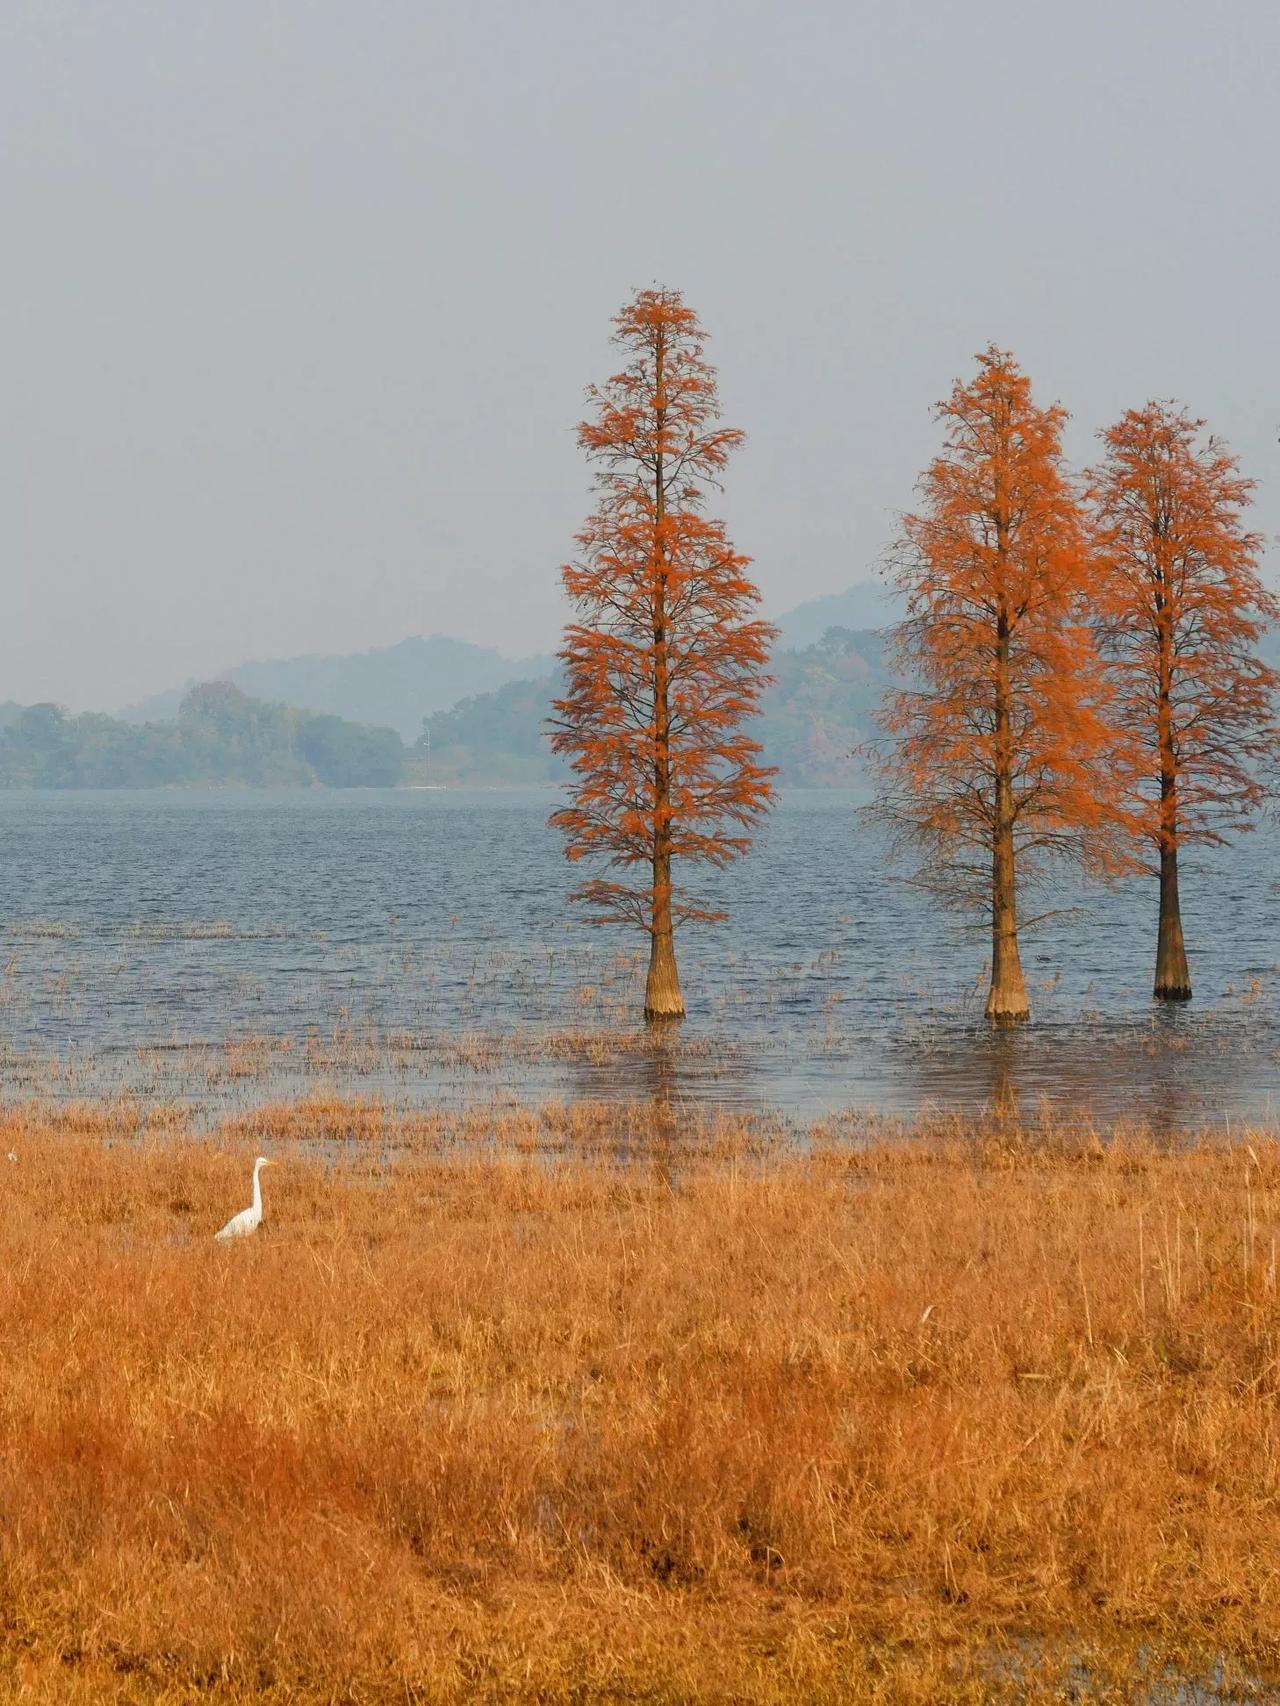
{"type": "Point", "coordinates": [249, 1219]}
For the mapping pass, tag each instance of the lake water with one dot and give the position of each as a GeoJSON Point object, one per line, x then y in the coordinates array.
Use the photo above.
{"type": "Point", "coordinates": [419, 943]}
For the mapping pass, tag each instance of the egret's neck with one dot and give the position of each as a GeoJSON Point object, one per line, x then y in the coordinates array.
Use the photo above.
{"type": "Point", "coordinates": [257, 1187]}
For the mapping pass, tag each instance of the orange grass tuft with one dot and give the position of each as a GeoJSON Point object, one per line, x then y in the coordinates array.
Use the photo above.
{"type": "Point", "coordinates": [487, 1414]}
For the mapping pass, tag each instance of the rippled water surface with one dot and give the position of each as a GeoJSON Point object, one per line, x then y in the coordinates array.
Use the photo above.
{"type": "Point", "coordinates": [419, 942]}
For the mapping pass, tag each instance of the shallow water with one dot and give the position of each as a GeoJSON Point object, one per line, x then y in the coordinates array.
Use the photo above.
{"type": "Point", "coordinates": [334, 921]}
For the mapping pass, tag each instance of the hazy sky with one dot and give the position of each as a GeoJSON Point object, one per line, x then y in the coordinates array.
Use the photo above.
{"type": "Point", "coordinates": [300, 298]}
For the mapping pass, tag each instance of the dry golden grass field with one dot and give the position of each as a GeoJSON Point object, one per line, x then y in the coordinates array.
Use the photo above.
{"type": "Point", "coordinates": [548, 1406]}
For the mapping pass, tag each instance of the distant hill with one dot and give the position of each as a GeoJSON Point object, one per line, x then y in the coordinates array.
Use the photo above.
{"type": "Point", "coordinates": [392, 686]}
{"type": "Point", "coordinates": [821, 706]}
{"type": "Point", "coordinates": [478, 717]}
{"type": "Point", "coordinates": [219, 735]}
{"type": "Point", "coordinates": [872, 605]}
{"type": "Point", "coordinates": [817, 711]}
{"type": "Point", "coordinates": [398, 686]}
{"type": "Point", "coordinates": [859, 608]}
{"type": "Point", "coordinates": [493, 739]}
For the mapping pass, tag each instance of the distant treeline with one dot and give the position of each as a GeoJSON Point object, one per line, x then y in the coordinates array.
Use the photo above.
{"type": "Point", "coordinates": [220, 735]}
{"type": "Point", "coordinates": [817, 711]}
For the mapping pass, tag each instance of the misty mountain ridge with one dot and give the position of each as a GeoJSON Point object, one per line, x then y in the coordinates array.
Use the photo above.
{"type": "Point", "coordinates": [817, 710]}
{"type": "Point", "coordinates": [814, 713]}
{"type": "Point", "coordinates": [389, 686]}
{"type": "Point", "coordinates": [399, 686]}
{"type": "Point", "coordinates": [861, 608]}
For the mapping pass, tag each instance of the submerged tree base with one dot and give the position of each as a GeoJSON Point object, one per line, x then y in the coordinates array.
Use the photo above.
{"type": "Point", "coordinates": [663, 1015]}
{"type": "Point", "coordinates": [1007, 1002]}
{"type": "Point", "coordinates": [662, 998]}
{"type": "Point", "coordinates": [1172, 992]}
{"type": "Point", "coordinates": [1007, 1008]}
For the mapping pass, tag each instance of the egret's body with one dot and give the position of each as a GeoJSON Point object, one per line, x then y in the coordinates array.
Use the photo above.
{"type": "Point", "coordinates": [249, 1219]}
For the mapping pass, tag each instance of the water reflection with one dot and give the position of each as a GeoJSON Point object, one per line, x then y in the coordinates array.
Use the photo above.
{"type": "Point", "coordinates": [1173, 1070]}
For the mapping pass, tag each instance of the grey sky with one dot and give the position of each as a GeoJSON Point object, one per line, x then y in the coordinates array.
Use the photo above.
{"type": "Point", "coordinates": [300, 298]}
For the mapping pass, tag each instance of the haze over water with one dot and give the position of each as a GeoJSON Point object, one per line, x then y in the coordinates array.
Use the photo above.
{"type": "Point", "coordinates": [419, 944]}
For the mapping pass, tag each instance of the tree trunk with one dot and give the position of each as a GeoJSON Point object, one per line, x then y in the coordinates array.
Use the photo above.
{"type": "Point", "coordinates": [1173, 977]}
{"type": "Point", "coordinates": [1007, 998]}
{"type": "Point", "coordinates": [662, 997]}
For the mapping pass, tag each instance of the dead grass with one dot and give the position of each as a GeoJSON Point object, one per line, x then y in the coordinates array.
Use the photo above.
{"type": "Point", "coordinates": [486, 1412]}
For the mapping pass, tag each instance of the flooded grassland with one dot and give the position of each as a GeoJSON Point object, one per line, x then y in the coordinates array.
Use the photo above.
{"type": "Point", "coordinates": [573, 1403]}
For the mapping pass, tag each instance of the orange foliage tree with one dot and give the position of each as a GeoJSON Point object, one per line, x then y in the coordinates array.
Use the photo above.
{"type": "Point", "coordinates": [666, 658]}
{"type": "Point", "coordinates": [997, 757]}
{"type": "Point", "coordinates": [1181, 610]}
